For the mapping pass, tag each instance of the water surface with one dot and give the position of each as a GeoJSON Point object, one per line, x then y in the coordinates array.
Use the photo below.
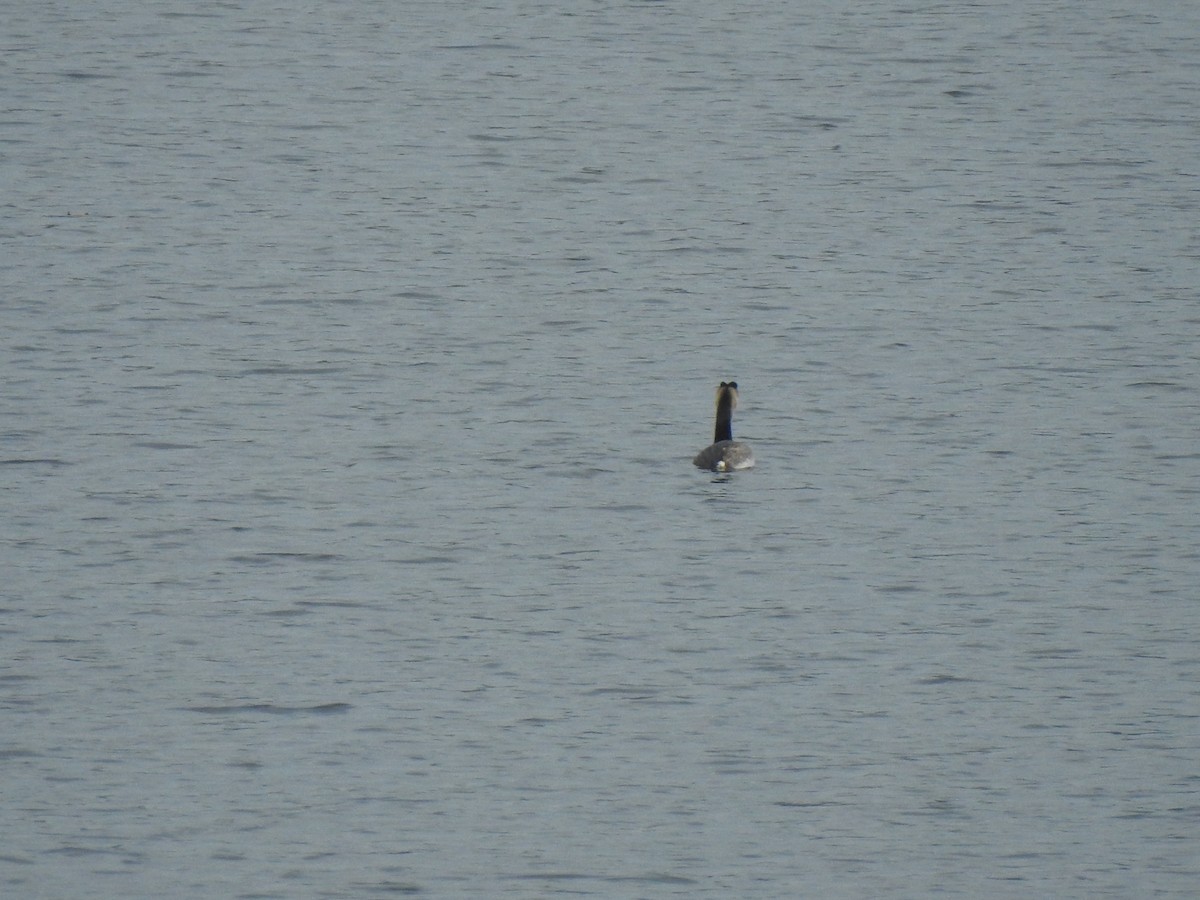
{"type": "Point", "coordinates": [353, 362]}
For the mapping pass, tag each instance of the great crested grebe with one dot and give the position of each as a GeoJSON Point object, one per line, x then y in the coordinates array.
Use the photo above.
{"type": "Point", "coordinates": [725, 454]}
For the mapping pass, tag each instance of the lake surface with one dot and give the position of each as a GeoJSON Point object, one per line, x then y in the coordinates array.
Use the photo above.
{"type": "Point", "coordinates": [354, 357]}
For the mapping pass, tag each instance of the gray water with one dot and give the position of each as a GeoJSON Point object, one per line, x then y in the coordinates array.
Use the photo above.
{"type": "Point", "coordinates": [354, 356]}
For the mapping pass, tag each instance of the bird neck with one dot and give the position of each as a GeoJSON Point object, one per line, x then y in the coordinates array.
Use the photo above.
{"type": "Point", "coordinates": [724, 430]}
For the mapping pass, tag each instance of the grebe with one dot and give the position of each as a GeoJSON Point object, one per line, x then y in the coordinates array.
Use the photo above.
{"type": "Point", "coordinates": [725, 454]}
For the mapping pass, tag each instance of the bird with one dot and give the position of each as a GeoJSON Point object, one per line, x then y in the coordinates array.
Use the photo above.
{"type": "Point", "coordinates": [725, 454]}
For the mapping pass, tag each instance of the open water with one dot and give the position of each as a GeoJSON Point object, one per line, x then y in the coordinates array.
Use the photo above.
{"type": "Point", "coordinates": [353, 358]}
